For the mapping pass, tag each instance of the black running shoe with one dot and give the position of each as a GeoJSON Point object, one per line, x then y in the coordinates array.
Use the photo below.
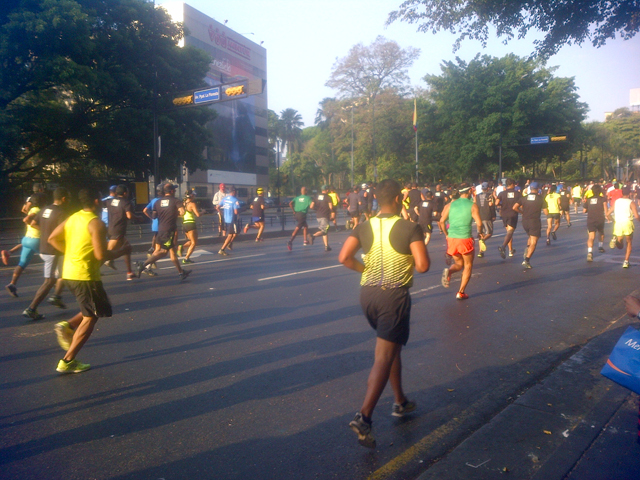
{"type": "Point", "coordinates": [364, 431]}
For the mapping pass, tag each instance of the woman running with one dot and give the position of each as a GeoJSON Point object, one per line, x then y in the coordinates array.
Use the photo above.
{"type": "Point", "coordinates": [189, 227]}
{"type": "Point", "coordinates": [30, 242]}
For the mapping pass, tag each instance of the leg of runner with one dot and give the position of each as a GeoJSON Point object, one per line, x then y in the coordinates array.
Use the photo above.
{"type": "Point", "coordinates": [467, 261]}
{"type": "Point", "coordinates": [590, 240]}
{"type": "Point", "coordinates": [627, 255]}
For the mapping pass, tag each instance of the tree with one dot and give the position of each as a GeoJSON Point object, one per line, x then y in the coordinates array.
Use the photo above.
{"type": "Point", "coordinates": [366, 71]}
{"type": "Point", "coordinates": [563, 21]}
{"type": "Point", "coordinates": [508, 100]}
{"type": "Point", "coordinates": [77, 83]}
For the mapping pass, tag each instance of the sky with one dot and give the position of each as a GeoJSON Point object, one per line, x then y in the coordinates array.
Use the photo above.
{"type": "Point", "coordinates": [304, 38]}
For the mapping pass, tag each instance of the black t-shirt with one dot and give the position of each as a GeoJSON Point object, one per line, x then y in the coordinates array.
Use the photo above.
{"type": "Point", "coordinates": [118, 208]}
{"type": "Point", "coordinates": [48, 219]}
{"type": "Point", "coordinates": [414, 198]}
{"type": "Point", "coordinates": [508, 198]}
{"type": "Point", "coordinates": [167, 210]}
{"type": "Point", "coordinates": [352, 200]}
{"type": "Point", "coordinates": [363, 198]}
{"type": "Point", "coordinates": [323, 206]}
{"type": "Point", "coordinates": [485, 206]}
{"type": "Point", "coordinates": [426, 212]}
{"type": "Point", "coordinates": [439, 198]}
{"type": "Point", "coordinates": [403, 233]}
{"type": "Point", "coordinates": [532, 206]}
{"type": "Point", "coordinates": [595, 209]}
{"type": "Point", "coordinates": [257, 207]}
{"type": "Point", "coordinates": [370, 194]}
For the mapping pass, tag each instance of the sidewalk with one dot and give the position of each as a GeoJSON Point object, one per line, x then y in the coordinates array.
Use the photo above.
{"type": "Point", "coordinates": [575, 424]}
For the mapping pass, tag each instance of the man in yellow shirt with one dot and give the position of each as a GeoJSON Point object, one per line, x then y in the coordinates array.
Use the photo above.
{"type": "Point", "coordinates": [82, 239]}
{"type": "Point", "coordinates": [553, 217]}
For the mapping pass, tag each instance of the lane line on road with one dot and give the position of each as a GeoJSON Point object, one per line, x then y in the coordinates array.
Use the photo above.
{"type": "Point", "coordinates": [219, 260]}
{"type": "Point", "coordinates": [298, 273]}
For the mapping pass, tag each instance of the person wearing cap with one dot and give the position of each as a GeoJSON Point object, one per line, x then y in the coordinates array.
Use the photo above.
{"type": "Point", "coordinates": [257, 214]}
{"type": "Point", "coordinates": [167, 209]}
{"type": "Point", "coordinates": [460, 213]}
{"type": "Point", "coordinates": [230, 207]}
{"type": "Point", "coordinates": [487, 211]}
{"type": "Point", "coordinates": [624, 211]}
{"type": "Point", "coordinates": [596, 210]}
{"type": "Point", "coordinates": [531, 207]}
{"type": "Point", "coordinates": [189, 226]}
{"type": "Point", "coordinates": [217, 200]}
{"type": "Point", "coordinates": [105, 204]}
{"type": "Point", "coordinates": [120, 211]}
{"type": "Point", "coordinates": [323, 206]}
{"type": "Point", "coordinates": [148, 210]}
{"type": "Point", "coordinates": [300, 206]}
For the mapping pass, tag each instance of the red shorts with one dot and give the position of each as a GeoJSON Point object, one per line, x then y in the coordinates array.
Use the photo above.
{"type": "Point", "coordinates": [460, 246]}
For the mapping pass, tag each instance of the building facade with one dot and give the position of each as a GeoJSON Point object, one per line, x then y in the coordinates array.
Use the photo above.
{"type": "Point", "coordinates": [240, 155]}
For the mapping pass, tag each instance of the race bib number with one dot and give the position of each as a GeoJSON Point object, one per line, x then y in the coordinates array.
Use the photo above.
{"type": "Point", "coordinates": [115, 202]}
{"type": "Point", "coordinates": [511, 195]}
{"type": "Point", "coordinates": [46, 213]}
{"type": "Point", "coordinates": [593, 201]}
{"type": "Point", "coordinates": [164, 203]}
{"type": "Point", "coordinates": [531, 197]}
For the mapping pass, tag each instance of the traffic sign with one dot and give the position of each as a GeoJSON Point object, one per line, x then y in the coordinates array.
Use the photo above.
{"type": "Point", "coordinates": [204, 96]}
{"type": "Point", "coordinates": [536, 140]}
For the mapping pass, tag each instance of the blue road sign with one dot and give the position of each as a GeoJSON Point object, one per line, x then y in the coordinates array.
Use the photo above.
{"type": "Point", "coordinates": [204, 96]}
{"type": "Point", "coordinates": [535, 140]}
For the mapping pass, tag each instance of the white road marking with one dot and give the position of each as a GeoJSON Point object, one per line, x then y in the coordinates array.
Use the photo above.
{"type": "Point", "coordinates": [298, 273]}
{"type": "Point", "coordinates": [225, 259]}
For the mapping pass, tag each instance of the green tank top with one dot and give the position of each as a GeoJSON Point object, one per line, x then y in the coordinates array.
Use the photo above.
{"type": "Point", "coordinates": [80, 262]}
{"type": "Point", "coordinates": [383, 265]}
{"type": "Point", "coordinates": [188, 217]}
{"type": "Point", "coordinates": [460, 218]}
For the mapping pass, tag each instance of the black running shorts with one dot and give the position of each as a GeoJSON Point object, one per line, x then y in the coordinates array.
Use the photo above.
{"type": "Point", "coordinates": [91, 297]}
{"type": "Point", "coordinates": [510, 221]}
{"type": "Point", "coordinates": [387, 311]}
{"type": "Point", "coordinates": [166, 239]}
{"type": "Point", "coordinates": [532, 228]}
{"type": "Point", "coordinates": [595, 226]}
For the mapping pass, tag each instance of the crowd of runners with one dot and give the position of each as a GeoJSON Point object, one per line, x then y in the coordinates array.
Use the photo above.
{"type": "Point", "coordinates": [391, 225]}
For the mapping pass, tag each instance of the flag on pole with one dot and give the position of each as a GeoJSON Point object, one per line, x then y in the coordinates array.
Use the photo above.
{"type": "Point", "coordinates": [415, 115]}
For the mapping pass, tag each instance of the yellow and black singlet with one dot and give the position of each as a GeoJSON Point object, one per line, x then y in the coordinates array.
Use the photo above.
{"type": "Point", "coordinates": [385, 240]}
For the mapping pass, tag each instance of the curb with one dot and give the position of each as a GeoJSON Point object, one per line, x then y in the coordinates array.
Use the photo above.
{"type": "Point", "coordinates": [545, 432]}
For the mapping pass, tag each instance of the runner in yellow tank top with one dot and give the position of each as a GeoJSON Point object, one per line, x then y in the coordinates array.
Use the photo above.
{"type": "Point", "coordinates": [82, 239]}
{"type": "Point", "coordinates": [553, 217]}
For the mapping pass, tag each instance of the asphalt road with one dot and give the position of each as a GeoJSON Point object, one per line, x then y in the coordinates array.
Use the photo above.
{"type": "Point", "coordinates": [253, 367]}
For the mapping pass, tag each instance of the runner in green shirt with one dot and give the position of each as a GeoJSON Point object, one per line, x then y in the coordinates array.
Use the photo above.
{"type": "Point", "coordinates": [300, 206]}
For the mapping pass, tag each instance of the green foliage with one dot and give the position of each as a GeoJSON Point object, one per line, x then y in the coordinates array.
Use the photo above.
{"type": "Point", "coordinates": [77, 87]}
{"type": "Point", "coordinates": [564, 22]}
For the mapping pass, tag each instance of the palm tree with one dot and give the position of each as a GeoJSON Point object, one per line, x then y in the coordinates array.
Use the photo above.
{"type": "Point", "coordinates": [290, 123]}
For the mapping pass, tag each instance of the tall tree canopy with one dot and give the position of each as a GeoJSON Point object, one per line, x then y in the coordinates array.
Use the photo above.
{"type": "Point", "coordinates": [368, 70]}
{"type": "Point", "coordinates": [77, 83]}
{"type": "Point", "coordinates": [562, 21]}
{"type": "Point", "coordinates": [508, 100]}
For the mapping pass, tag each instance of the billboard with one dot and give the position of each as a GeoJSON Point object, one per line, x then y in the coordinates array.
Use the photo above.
{"type": "Point", "coordinates": [240, 128]}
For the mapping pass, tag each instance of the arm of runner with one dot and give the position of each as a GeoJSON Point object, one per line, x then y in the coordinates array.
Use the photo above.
{"type": "Point", "coordinates": [420, 256]}
{"type": "Point", "coordinates": [443, 219]}
{"type": "Point", "coordinates": [475, 214]}
{"type": "Point", "coordinates": [634, 210]}
{"type": "Point", "coordinates": [56, 239]}
{"type": "Point", "coordinates": [347, 255]}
